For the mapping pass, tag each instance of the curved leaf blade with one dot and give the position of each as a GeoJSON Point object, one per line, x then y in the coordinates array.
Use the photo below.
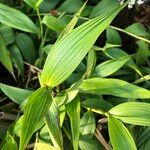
{"type": "Point", "coordinates": [35, 109]}
{"type": "Point", "coordinates": [68, 52]}
{"type": "Point", "coordinates": [137, 113]}
{"type": "Point", "coordinates": [114, 87]}
{"type": "Point", "coordinates": [120, 137]}
{"type": "Point", "coordinates": [16, 19]}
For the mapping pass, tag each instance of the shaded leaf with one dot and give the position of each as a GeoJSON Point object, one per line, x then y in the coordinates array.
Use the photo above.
{"type": "Point", "coordinates": [17, 58]}
{"type": "Point", "coordinates": [16, 19]}
{"type": "Point", "coordinates": [137, 29]}
{"type": "Point", "coordinates": [15, 94]}
{"type": "Point", "coordinates": [101, 7]}
{"type": "Point", "coordinates": [87, 123]}
{"type": "Point", "coordinates": [26, 47]}
{"type": "Point", "coordinates": [7, 33]}
{"type": "Point", "coordinates": [5, 56]}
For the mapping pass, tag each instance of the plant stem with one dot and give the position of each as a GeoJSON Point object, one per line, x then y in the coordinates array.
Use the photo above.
{"type": "Point", "coordinates": [133, 35]}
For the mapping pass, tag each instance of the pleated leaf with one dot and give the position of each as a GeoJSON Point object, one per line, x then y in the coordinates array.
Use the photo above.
{"type": "Point", "coordinates": [120, 137]}
{"type": "Point", "coordinates": [16, 19]}
{"type": "Point", "coordinates": [73, 110]}
{"type": "Point", "coordinates": [114, 87]}
{"type": "Point", "coordinates": [5, 56]}
{"type": "Point", "coordinates": [35, 109]}
{"type": "Point", "coordinates": [137, 113]}
{"type": "Point", "coordinates": [110, 66]}
{"type": "Point", "coordinates": [53, 125]}
{"type": "Point", "coordinates": [68, 52]}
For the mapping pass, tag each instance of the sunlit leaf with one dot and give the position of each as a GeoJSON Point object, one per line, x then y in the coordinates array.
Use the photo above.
{"type": "Point", "coordinates": [68, 52]}
{"type": "Point", "coordinates": [41, 100]}
{"type": "Point", "coordinates": [114, 87]}
{"type": "Point", "coordinates": [120, 137]}
{"type": "Point", "coordinates": [137, 113]}
{"type": "Point", "coordinates": [73, 110]}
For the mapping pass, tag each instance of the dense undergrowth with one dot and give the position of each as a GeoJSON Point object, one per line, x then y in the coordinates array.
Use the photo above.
{"type": "Point", "coordinates": [74, 75]}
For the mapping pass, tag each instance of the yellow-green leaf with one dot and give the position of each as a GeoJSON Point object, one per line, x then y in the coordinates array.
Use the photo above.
{"type": "Point", "coordinates": [35, 109]}
{"type": "Point", "coordinates": [120, 137]}
{"type": "Point", "coordinates": [137, 113]}
{"type": "Point", "coordinates": [68, 52]}
{"type": "Point", "coordinates": [114, 87]}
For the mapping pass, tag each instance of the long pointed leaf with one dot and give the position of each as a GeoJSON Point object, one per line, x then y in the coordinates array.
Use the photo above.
{"type": "Point", "coordinates": [132, 112]}
{"type": "Point", "coordinates": [53, 124]}
{"type": "Point", "coordinates": [68, 52]}
{"type": "Point", "coordinates": [35, 109]}
{"type": "Point", "coordinates": [120, 137]}
{"type": "Point", "coordinates": [114, 87]}
{"type": "Point", "coordinates": [16, 19]}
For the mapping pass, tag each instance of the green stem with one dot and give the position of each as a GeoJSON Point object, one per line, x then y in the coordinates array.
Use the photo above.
{"type": "Point", "coordinates": [133, 35]}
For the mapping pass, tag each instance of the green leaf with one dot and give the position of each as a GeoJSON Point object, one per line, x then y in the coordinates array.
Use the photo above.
{"type": "Point", "coordinates": [88, 124]}
{"type": "Point", "coordinates": [110, 34]}
{"type": "Point", "coordinates": [37, 105]}
{"type": "Point", "coordinates": [90, 144]}
{"type": "Point", "coordinates": [110, 66]}
{"type": "Point", "coordinates": [7, 34]}
{"type": "Point", "coordinates": [120, 137]}
{"type": "Point", "coordinates": [17, 58]}
{"type": "Point", "coordinates": [31, 3]}
{"type": "Point", "coordinates": [15, 94]}
{"type": "Point", "coordinates": [137, 29]}
{"type": "Point", "coordinates": [75, 6]}
{"type": "Point", "coordinates": [114, 87]}
{"type": "Point", "coordinates": [10, 143]}
{"type": "Point", "coordinates": [91, 62]}
{"type": "Point", "coordinates": [137, 113]}
{"type": "Point", "coordinates": [53, 125]}
{"type": "Point", "coordinates": [26, 47]}
{"type": "Point", "coordinates": [73, 110]}
{"type": "Point", "coordinates": [5, 56]}
{"type": "Point", "coordinates": [142, 52]}
{"type": "Point", "coordinates": [44, 146]}
{"type": "Point", "coordinates": [103, 6]}
{"type": "Point", "coordinates": [72, 23]}
{"type": "Point", "coordinates": [53, 23]}
{"type": "Point", "coordinates": [16, 19]}
{"type": "Point", "coordinates": [68, 52]}
{"type": "Point", "coordinates": [98, 104]}
{"type": "Point", "coordinates": [48, 5]}
{"type": "Point", "coordinates": [116, 53]}
{"type": "Point", "coordinates": [18, 126]}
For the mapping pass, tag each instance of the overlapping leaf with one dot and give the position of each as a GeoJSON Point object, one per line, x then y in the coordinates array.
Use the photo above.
{"type": "Point", "coordinates": [68, 52]}
{"type": "Point", "coordinates": [16, 19]}
{"type": "Point", "coordinates": [35, 109]}
{"type": "Point", "coordinates": [137, 113]}
{"type": "Point", "coordinates": [114, 87]}
{"type": "Point", "coordinates": [120, 137]}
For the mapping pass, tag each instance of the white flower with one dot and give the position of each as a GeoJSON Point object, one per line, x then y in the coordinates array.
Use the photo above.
{"type": "Point", "coordinates": [139, 2]}
{"type": "Point", "coordinates": [132, 2]}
